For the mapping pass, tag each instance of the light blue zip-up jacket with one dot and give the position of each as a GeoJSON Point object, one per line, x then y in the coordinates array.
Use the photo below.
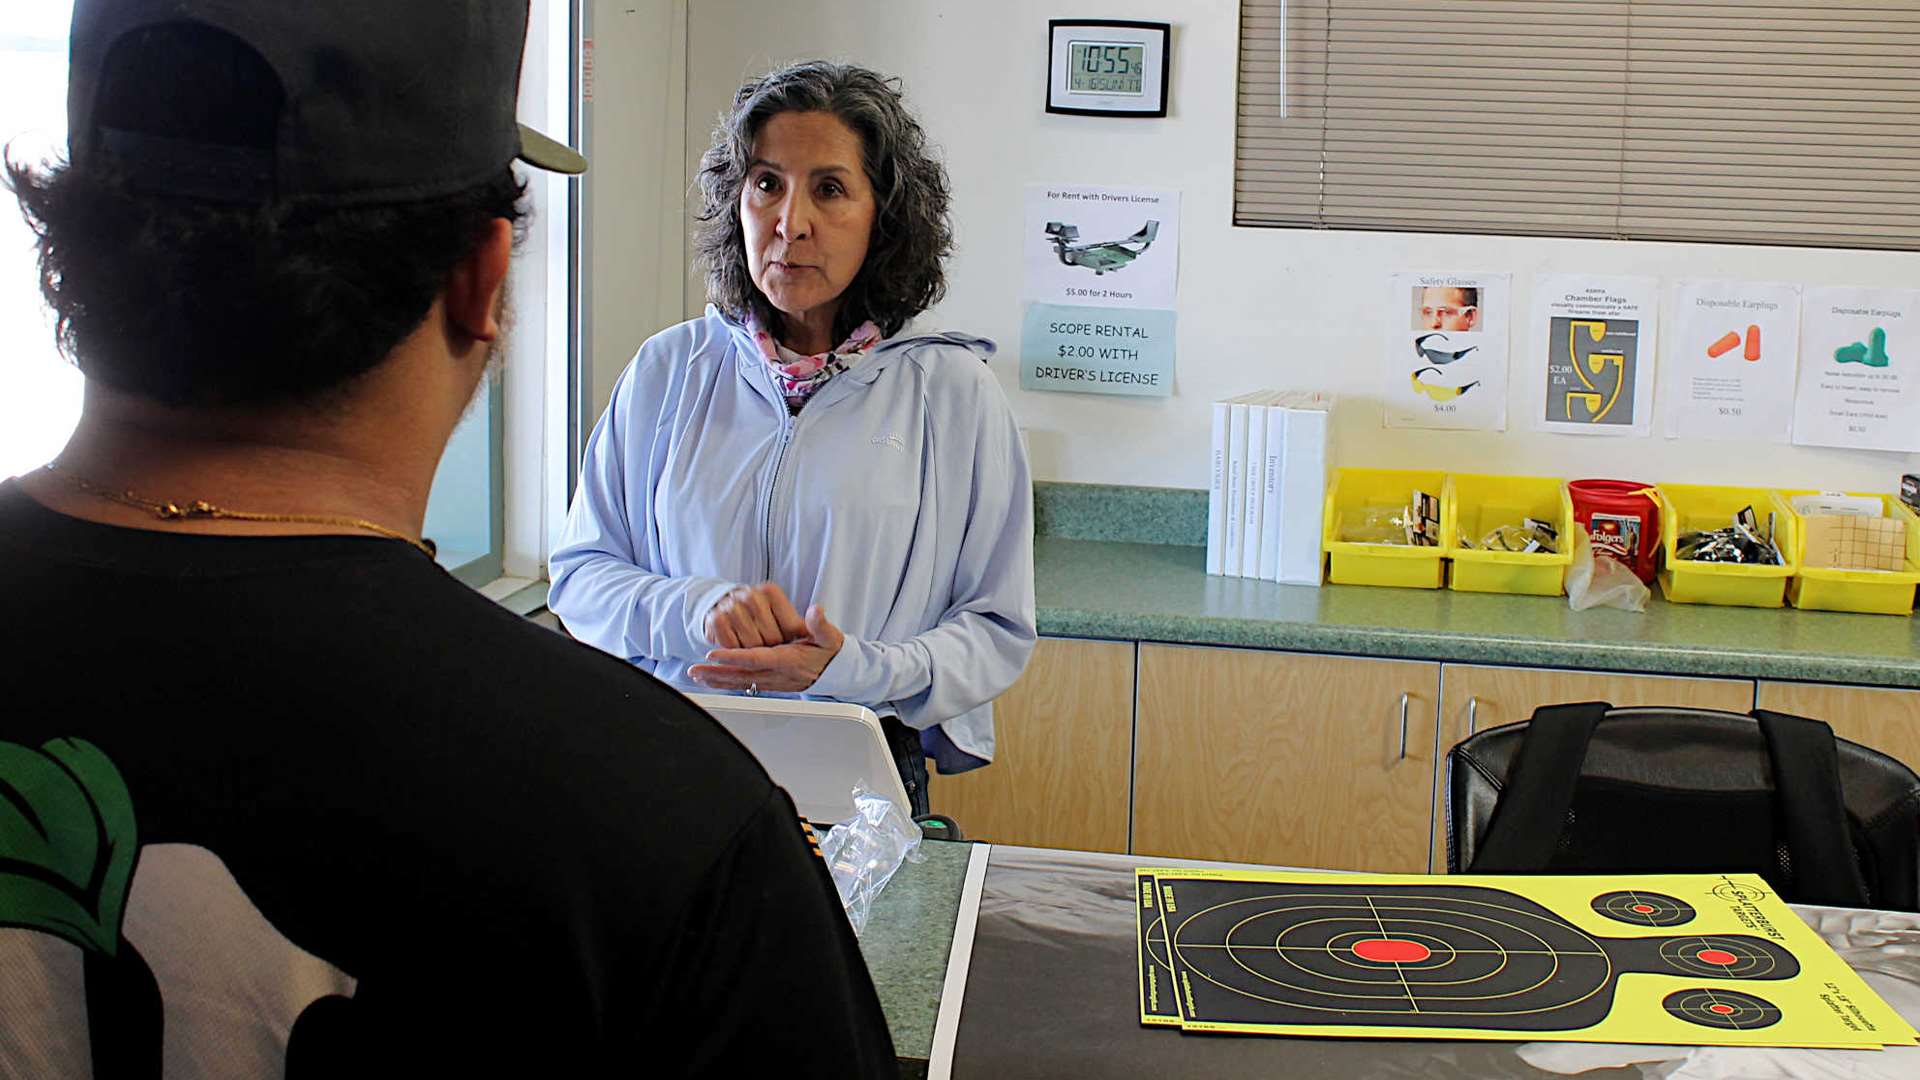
{"type": "Point", "coordinates": [898, 500]}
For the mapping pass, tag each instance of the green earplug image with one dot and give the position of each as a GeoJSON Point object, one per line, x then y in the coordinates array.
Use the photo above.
{"type": "Point", "coordinates": [1873, 353]}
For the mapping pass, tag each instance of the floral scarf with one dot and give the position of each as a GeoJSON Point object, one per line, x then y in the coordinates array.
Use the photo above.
{"type": "Point", "coordinates": [798, 377]}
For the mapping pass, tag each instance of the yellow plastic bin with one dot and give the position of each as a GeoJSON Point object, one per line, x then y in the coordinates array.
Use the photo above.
{"type": "Point", "coordinates": [1484, 503]}
{"type": "Point", "coordinates": [1687, 508]}
{"type": "Point", "coordinates": [1873, 592]}
{"type": "Point", "coordinates": [1350, 563]}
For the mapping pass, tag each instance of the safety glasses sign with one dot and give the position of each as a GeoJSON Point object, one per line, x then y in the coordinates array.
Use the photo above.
{"type": "Point", "coordinates": [1446, 351]}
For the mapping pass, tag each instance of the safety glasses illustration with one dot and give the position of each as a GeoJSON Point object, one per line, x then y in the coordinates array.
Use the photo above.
{"type": "Point", "coordinates": [1433, 354]}
{"type": "Point", "coordinates": [1435, 390]}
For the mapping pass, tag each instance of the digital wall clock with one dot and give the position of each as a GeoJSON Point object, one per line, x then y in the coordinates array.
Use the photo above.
{"type": "Point", "coordinates": [1107, 67]}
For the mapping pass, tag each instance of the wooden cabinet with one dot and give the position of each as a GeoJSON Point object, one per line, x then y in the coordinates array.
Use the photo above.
{"type": "Point", "coordinates": [1060, 772]}
{"type": "Point", "coordinates": [1284, 758]}
{"type": "Point", "coordinates": [1887, 720]}
{"type": "Point", "coordinates": [1475, 698]}
{"type": "Point", "coordinates": [1296, 759]}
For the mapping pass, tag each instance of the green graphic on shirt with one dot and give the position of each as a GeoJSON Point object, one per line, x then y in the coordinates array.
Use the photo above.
{"type": "Point", "coordinates": [67, 843]}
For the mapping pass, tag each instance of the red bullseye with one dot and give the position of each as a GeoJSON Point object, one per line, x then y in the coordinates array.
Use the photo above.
{"type": "Point", "coordinates": [1720, 957]}
{"type": "Point", "coordinates": [1391, 951]}
{"type": "Point", "coordinates": [1723, 1010]}
{"type": "Point", "coordinates": [1644, 909]}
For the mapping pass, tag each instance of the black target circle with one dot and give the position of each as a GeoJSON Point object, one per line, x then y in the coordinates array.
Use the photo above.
{"type": "Point", "coordinates": [1644, 908]}
{"type": "Point", "coordinates": [1729, 1009]}
{"type": "Point", "coordinates": [1718, 957]}
{"type": "Point", "coordinates": [1391, 955]}
{"type": "Point", "coordinates": [1157, 942]}
{"type": "Point", "coordinates": [1733, 892]}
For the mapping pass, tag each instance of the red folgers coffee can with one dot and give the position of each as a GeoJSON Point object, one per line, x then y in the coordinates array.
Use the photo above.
{"type": "Point", "coordinates": [1623, 520]}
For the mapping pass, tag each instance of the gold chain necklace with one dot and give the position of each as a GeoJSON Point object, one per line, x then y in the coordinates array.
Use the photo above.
{"type": "Point", "coordinates": [200, 508]}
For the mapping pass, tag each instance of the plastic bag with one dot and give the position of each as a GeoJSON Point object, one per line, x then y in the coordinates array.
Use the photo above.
{"type": "Point", "coordinates": [863, 851]}
{"type": "Point", "coordinates": [1374, 525]}
{"type": "Point", "coordinates": [1601, 581]}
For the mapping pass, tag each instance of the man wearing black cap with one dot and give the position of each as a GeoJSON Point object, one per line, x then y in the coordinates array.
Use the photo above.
{"type": "Point", "coordinates": [277, 793]}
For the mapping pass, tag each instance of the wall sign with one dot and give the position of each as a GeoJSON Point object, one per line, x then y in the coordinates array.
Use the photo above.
{"type": "Point", "coordinates": [1446, 359]}
{"type": "Point", "coordinates": [1858, 388]}
{"type": "Point", "coordinates": [1727, 368]}
{"type": "Point", "coordinates": [1596, 339]}
{"type": "Point", "coordinates": [1102, 263]}
{"type": "Point", "coordinates": [1107, 67]}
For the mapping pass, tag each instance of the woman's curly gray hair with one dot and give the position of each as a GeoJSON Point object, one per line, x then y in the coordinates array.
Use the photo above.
{"type": "Point", "coordinates": [904, 273]}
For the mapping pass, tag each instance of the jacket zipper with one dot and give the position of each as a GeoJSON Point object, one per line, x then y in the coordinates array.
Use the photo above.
{"type": "Point", "coordinates": [787, 423]}
{"type": "Point", "coordinates": [789, 427]}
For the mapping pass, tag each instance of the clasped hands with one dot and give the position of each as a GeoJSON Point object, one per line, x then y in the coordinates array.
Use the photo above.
{"type": "Point", "coordinates": [763, 644]}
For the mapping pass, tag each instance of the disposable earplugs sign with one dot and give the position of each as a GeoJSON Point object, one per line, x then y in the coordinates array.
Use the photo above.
{"type": "Point", "coordinates": [1858, 386]}
{"type": "Point", "coordinates": [1728, 371]}
{"type": "Point", "coordinates": [1446, 351]}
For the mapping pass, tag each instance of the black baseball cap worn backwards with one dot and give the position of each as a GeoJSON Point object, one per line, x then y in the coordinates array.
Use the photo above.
{"type": "Point", "coordinates": [338, 102]}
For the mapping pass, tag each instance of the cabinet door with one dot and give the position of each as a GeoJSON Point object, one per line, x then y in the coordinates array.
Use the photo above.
{"type": "Point", "coordinates": [1065, 750]}
{"type": "Point", "coordinates": [1886, 720]}
{"type": "Point", "coordinates": [1476, 698]}
{"type": "Point", "coordinates": [1284, 758]}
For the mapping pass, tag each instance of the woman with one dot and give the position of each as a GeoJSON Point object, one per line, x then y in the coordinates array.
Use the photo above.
{"type": "Point", "coordinates": [790, 453]}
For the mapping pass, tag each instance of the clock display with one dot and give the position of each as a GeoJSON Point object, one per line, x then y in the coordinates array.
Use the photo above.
{"type": "Point", "coordinates": [1105, 67]}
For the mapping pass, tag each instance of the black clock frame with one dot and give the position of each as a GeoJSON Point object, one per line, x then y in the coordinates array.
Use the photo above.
{"type": "Point", "coordinates": [1166, 53]}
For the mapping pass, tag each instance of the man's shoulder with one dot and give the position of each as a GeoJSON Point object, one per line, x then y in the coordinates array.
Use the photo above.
{"type": "Point", "coordinates": [521, 669]}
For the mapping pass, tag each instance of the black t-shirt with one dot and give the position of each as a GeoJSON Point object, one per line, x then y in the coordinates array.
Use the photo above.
{"type": "Point", "coordinates": [533, 858]}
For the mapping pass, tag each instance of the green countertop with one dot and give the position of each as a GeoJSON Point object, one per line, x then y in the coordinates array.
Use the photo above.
{"type": "Point", "coordinates": [1161, 592]}
{"type": "Point", "coordinates": [908, 938]}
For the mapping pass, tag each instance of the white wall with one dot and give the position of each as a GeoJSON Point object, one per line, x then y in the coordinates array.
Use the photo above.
{"type": "Point", "coordinates": [1258, 307]}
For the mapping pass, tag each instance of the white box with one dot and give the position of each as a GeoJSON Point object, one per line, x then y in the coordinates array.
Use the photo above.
{"type": "Point", "coordinates": [1255, 486]}
{"type": "Point", "coordinates": [1270, 473]}
{"type": "Point", "coordinates": [1303, 491]}
{"type": "Point", "coordinates": [1236, 486]}
{"type": "Point", "coordinates": [1217, 492]}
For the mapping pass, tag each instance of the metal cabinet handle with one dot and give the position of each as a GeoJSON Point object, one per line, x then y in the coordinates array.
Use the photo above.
{"type": "Point", "coordinates": [1473, 715]}
{"type": "Point", "coordinates": [1406, 701]}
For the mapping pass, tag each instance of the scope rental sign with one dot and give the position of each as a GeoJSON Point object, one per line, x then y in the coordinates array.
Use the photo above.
{"type": "Point", "coordinates": [1101, 269]}
{"type": "Point", "coordinates": [1097, 350]}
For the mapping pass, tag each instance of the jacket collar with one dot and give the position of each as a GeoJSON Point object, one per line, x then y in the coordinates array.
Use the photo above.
{"type": "Point", "coordinates": [752, 367]}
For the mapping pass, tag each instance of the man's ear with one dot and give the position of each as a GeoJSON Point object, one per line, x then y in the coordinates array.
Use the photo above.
{"type": "Point", "coordinates": [475, 283]}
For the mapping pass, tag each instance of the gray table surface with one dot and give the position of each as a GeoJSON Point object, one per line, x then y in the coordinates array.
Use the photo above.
{"type": "Point", "coordinates": [908, 937]}
{"type": "Point", "coordinates": [1056, 935]}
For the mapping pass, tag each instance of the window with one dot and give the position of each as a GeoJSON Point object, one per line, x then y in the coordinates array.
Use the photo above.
{"type": "Point", "coordinates": [39, 390]}
{"type": "Point", "coordinates": [499, 496]}
{"type": "Point", "coordinates": [1745, 121]}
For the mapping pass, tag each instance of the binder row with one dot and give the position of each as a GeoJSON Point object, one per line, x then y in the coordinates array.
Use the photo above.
{"type": "Point", "coordinates": [1269, 481]}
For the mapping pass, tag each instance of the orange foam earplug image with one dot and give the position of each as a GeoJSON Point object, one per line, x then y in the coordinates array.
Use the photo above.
{"type": "Point", "coordinates": [1753, 342]}
{"type": "Point", "coordinates": [1728, 341]}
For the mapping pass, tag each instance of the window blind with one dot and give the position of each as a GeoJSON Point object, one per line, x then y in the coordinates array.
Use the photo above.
{"type": "Point", "coordinates": [1740, 121]}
